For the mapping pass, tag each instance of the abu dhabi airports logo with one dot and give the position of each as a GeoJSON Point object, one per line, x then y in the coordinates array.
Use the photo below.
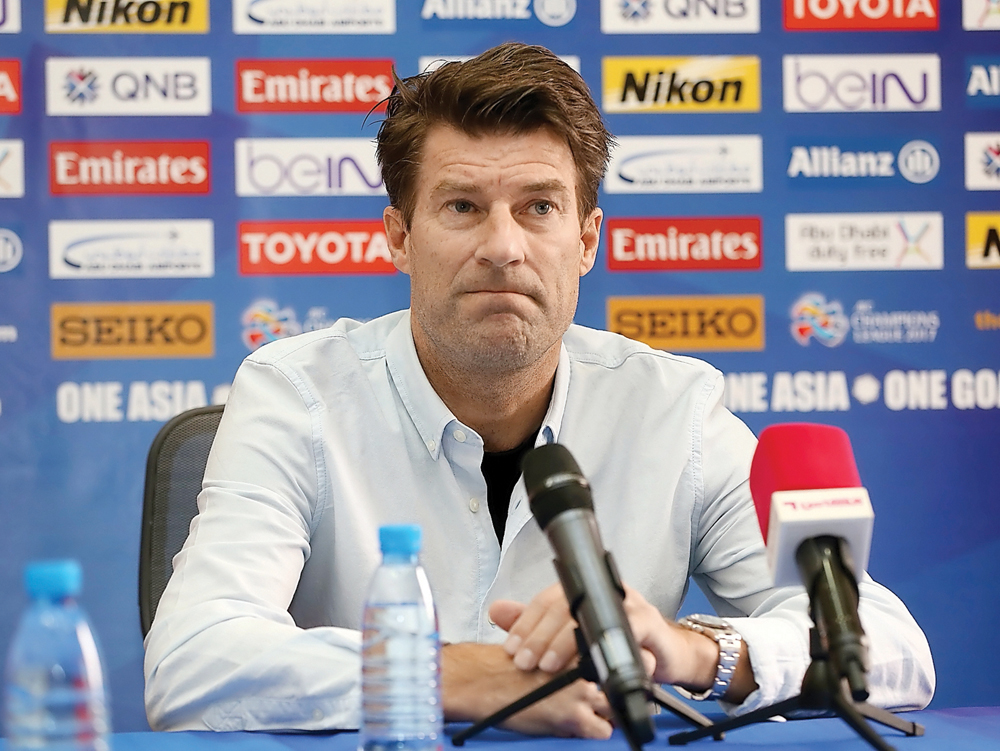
{"type": "Point", "coordinates": [980, 15]}
{"type": "Point", "coordinates": [982, 161]}
{"type": "Point", "coordinates": [686, 164]}
{"type": "Point", "coordinates": [680, 16]}
{"type": "Point", "coordinates": [813, 317]}
{"type": "Point", "coordinates": [549, 12]}
{"type": "Point", "coordinates": [314, 16]}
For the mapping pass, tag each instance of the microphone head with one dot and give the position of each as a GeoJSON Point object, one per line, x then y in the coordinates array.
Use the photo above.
{"type": "Point", "coordinates": [799, 456]}
{"type": "Point", "coordinates": [554, 482]}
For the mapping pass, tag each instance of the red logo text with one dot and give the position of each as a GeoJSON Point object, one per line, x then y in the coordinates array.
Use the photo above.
{"type": "Point", "coordinates": [861, 15]}
{"type": "Point", "coordinates": [312, 85]}
{"type": "Point", "coordinates": [688, 244]}
{"type": "Point", "coordinates": [115, 167]}
{"type": "Point", "coordinates": [320, 247]}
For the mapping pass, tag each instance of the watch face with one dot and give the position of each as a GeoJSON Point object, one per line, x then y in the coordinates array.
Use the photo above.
{"type": "Point", "coordinates": [709, 621]}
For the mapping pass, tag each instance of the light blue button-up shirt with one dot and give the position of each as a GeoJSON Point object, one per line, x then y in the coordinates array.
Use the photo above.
{"type": "Point", "coordinates": [328, 435]}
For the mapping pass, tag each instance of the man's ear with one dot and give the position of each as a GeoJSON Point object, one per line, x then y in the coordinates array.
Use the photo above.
{"type": "Point", "coordinates": [590, 238]}
{"type": "Point", "coordinates": [398, 238]}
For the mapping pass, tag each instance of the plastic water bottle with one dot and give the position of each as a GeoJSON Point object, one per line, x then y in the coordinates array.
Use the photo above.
{"type": "Point", "coordinates": [400, 659]}
{"type": "Point", "coordinates": [54, 697]}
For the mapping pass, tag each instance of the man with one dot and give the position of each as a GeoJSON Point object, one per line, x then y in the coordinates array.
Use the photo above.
{"type": "Point", "coordinates": [492, 168]}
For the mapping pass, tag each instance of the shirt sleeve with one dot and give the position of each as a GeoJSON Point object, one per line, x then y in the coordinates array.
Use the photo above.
{"type": "Point", "coordinates": [730, 566]}
{"type": "Point", "coordinates": [223, 652]}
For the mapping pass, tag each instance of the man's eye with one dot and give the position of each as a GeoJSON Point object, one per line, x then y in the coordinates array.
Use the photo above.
{"type": "Point", "coordinates": [542, 207]}
{"type": "Point", "coordinates": [462, 207]}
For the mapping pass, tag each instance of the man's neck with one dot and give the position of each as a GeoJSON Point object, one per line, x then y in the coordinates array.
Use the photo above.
{"type": "Point", "coordinates": [505, 407]}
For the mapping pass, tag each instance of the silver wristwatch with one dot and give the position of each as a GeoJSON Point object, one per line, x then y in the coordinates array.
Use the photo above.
{"type": "Point", "coordinates": [730, 644]}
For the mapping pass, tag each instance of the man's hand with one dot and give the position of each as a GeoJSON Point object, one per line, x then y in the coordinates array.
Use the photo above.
{"type": "Point", "coordinates": [540, 635]}
{"type": "Point", "coordinates": [479, 679]}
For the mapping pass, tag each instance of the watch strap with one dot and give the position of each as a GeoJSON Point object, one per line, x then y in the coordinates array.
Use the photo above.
{"type": "Point", "coordinates": [730, 645]}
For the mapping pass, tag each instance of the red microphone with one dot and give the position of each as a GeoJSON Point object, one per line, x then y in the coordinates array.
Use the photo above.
{"type": "Point", "coordinates": [817, 522]}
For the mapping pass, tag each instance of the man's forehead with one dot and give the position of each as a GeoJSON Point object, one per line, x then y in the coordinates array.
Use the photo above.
{"type": "Point", "coordinates": [535, 161]}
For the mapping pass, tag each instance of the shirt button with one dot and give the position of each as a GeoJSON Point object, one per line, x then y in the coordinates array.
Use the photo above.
{"type": "Point", "coordinates": [473, 505]}
{"type": "Point", "coordinates": [459, 436]}
{"type": "Point", "coordinates": [431, 445]}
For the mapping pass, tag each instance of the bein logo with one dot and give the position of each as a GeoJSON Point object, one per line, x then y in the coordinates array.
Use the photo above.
{"type": "Point", "coordinates": [307, 167]}
{"type": "Point", "coordinates": [862, 83]}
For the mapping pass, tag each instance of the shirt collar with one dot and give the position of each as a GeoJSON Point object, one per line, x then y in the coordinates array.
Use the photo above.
{"type": "Point", "coordinates": [430, 414]}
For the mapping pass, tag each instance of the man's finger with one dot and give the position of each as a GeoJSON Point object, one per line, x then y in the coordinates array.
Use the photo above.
{"type": "Point", "coordinates": [505, 613]}
{"type": "Point", "coordinates": [561, 650]}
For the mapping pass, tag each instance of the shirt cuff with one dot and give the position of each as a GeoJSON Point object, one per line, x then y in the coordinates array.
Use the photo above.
{"type": "Point", "coordinates": [779, 654]}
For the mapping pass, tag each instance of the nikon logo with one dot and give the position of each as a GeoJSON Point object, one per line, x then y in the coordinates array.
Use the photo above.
{"type": "Point", "coordinates": [682, 84]}
{"type": "Point", "coordinates": [127, 16]}
{"type": "Point", "coordinates": [119, 331]}
{"type": "Point", "coordinates": [690, 324]}
{"type": "Point", "coordinates": [982, 240]}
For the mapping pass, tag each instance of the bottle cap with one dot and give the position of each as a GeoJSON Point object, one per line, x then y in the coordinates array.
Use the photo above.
{"type": "Point", "coordinates": [399, 539]}
{"type": "Point", "coordinates": [53, 579]}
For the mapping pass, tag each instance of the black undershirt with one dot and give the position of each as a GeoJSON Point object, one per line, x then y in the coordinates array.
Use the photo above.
{"type": "Point", "coordinates": [502, 470]}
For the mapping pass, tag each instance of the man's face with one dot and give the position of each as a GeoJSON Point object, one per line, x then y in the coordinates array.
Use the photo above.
{"type": "Point", "coordinates": [495, 249]}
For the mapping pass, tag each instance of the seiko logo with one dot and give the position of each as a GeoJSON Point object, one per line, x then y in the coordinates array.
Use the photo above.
{"type": "Point", "coordinates": [330, 247]}
{"type": "Point", "coordinates": [10, 87]}
{"type": "Point", "coordinates": [306, 167]}
{"type": "Point", "coordinates": [185, 16]}
{"type": "Point", "coordinates": [918, 162]}
{"type": "Point", "coordinates": [549, 12]}
{"type": "Point", "coordinates": [690, 323]}
{"type": "Point", "coordinates": [846, 15]}
{"type": "Point", "coordinates": [314, 16]}
{"type": "Point", "coordinates": [684, 84]}
{"type": "Point", "coordinates": [861, 83]}
{"type": "Point", "coordinates": [98, 331]}
{"type": "Point", "coordinates": [710, 243]}
{"type": "Point", "coordinates": [680, 16]}
{"type": "Point", "coordinates": [129, 167]}
{"type": "Point", "coordinates": [312, 85]}
{"type": "Point", "coordinates": [127, 86]}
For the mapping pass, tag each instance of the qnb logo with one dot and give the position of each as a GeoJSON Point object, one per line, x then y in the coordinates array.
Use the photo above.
{"type": "Point", "coordinates": [862, 83]}
{"type": "Point", "coordinates": [81, 86]}
{"type": "Point", "coordinates": [549, 12]}
{"type": "Point", "coordinates": [306, 167]}
{"type": "Point", "coordinates": [680, 16]}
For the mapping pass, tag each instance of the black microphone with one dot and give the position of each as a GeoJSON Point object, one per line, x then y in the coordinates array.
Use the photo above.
{"type": "Point", "coordinates": [560, 499]}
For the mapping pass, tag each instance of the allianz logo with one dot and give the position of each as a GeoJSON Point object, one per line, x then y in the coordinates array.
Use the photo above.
{"type": "Point", "coordinates": [918, 162]}
{"type": "Point", "coordinates": [549, 12]}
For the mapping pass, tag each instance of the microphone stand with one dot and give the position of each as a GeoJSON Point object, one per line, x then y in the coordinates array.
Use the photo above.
{"type": "Point", "coordinates": [586, 669]}
{"type": "Point", "coordinates": [821, 690]}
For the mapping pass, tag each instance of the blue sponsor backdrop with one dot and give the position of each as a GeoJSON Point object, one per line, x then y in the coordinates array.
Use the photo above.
{"type": "Point", "coordinates": [922, 414]}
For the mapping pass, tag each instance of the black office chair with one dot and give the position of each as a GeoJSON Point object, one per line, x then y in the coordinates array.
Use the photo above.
{"type": "Point", "coordinates": [174, 469]}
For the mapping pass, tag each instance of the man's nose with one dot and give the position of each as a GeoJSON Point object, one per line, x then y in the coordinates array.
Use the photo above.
{"type": "Point", "coordinates": [503, 241]}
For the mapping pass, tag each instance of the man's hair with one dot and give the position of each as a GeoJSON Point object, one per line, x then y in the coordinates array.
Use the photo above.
{"type": "Point", "coordinates": [511, 88]}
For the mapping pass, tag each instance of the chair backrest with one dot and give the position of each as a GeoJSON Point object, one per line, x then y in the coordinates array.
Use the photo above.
{"type": "Point", "coordinates": [174, 470]}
